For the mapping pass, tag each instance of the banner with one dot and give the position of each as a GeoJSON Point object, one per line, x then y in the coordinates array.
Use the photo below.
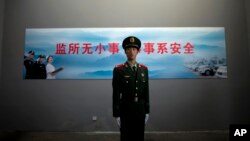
{"type": "Point", "coordinates": [92, 53]}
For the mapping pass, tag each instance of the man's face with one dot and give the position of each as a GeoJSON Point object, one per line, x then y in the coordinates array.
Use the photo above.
{"type": "Point", "coordinates": [31, 56]}
{"type": "Point", "coordinates": [41, 60]}
{"type": "Point", "coordinates": [131, 53]}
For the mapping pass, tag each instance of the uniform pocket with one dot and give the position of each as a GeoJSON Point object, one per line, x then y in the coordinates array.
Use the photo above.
{"type": "Point", "coordinates": [126, 81]}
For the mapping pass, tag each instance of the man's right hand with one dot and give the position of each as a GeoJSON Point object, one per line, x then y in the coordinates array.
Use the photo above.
{"type": "Point", "coordinates": [118, 120]}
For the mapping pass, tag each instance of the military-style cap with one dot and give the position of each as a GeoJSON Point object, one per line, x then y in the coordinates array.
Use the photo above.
{"type": "Point", "coordinates": [131, 41]}
{"type": "Point", "coordinates": [41, 56]}
{"type": "Point", "coordinates": [31, 52]}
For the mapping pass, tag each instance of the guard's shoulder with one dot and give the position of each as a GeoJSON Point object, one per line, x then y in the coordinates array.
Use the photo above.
{"type": "Point", "coordinates": [119, 66]}
{"type": "Point", "coordinates": [143, 66]}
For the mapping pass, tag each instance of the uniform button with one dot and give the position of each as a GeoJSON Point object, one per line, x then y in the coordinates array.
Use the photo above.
{"type": "Point", "coordinates": [126, 81]}
{"type": "Point", "coordinates": [135, 94]}
{"type": "Point", "coordinates": [136, 81]}
{"type": "Point", "coordinates": [136, 99]}
{"type": "Point", "coordinates": [136, 88]}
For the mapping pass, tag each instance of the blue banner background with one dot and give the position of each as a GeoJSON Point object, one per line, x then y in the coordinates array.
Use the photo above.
{"type": "Point", "coordinates": [208, 42]}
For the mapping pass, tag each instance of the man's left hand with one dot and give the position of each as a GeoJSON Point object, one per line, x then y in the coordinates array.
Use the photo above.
{"type": "Point", "coordinates": [146, 118]}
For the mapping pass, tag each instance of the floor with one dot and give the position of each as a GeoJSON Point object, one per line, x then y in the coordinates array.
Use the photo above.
{"type": "Point", "coordinates": [113, 136]}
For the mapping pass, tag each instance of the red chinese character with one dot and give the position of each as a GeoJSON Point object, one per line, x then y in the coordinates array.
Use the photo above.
{"type": "Point", "coordinates": [113, 48]}
{"type": "Point", "coordinates": [175, 48]}
{"type": "Point", "coordinates": [87, 48]}
{"type": "Point", "coordinates": [188, 48]}
{"type": "Point", "coordinates": [99, 47]}
{"type": "Point", "coordinates": [60, 48]}
{"type": "Point", "coordinates": [162, 48]}
{"type": "Point", "coordinates": [149, 48]}
{"type": "Point", "coordinates": [73, 48]}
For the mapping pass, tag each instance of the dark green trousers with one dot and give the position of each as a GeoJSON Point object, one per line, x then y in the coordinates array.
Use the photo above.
{"type": "Point", "coordinates": [132, 121]}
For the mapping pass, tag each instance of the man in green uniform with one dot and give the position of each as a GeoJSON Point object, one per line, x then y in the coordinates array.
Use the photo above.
{"type": "Point", "coordinates": [28, 63]}
{"type": "Point", "coordinates": [131, 93]}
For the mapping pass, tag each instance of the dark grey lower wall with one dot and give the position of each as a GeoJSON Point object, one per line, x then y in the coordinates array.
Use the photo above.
{"type": "Point", "coordinates": [176, 104]}
{"type": "Point", "coordinates": [1, 38]}
{"type": "Point", "coordinates": [247, 5]}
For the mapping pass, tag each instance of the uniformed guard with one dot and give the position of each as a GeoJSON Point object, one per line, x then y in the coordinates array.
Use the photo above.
{"type": "Point", "coordinates": [131, 93]}
{"type": "Point", "coordinates": [28, 63]}
{"type": "Point", "coordinates": [39, 68]}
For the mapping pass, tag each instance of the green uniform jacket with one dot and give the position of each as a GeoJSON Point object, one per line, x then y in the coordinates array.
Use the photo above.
{"type": "Point", "coordinates": [130, 87]}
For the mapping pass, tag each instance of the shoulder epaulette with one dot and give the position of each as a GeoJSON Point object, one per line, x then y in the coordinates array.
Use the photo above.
{"type": "Point", "coordinates": [119, 65]}
{"type": "Point", "coordinates": [143, 66]}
